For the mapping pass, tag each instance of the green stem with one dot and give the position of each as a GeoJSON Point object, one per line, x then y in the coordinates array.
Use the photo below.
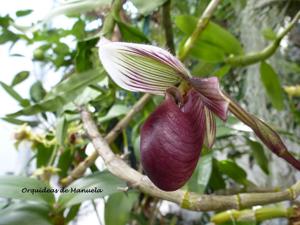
{"type": "Point", "coordinates": [125, 142]}
{"type": "Point", "coordinates": [201, 25]}
{"type": "Point", "coordinates": [252, 58]}
{"type": "Point", "coordinates": [167, 24]}
{"type": "Point", "coordinates": [53, 155]}
{"type": "Point", "coordinates": [255, 215]}
{"type": "Point", "coordinates": [109, 23]}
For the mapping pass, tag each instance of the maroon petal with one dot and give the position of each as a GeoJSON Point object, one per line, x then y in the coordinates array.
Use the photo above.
{"type": "Point", "coordinates": [171, 142]}
{"type": "Point", "coordinates": [211, 95]}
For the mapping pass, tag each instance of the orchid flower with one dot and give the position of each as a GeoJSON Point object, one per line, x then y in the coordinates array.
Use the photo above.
{"type": "Point", "coordinates": [173, 135]}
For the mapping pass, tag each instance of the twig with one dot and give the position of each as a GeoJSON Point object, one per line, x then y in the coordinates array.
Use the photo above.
{"type": "Point", "coordinates": [252, 58]}
{"type": "Point", "coordinates": [167, 24]}
{"type": "Point", "coordinates": [185, 199]}
{"type": "Point", "coordinates": [201, 25]}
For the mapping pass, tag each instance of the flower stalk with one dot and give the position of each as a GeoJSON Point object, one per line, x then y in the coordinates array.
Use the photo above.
{"type": "Point", "coordinates": [252, 58]}
{"type": "Point", "coordinates": [167, 24]}
{"type": "Point", "coordinates": [201, 25]}
{"type": "Point", "coordinates": [109, 23]}
{"type": "Point", "coordinates": [266, 134]}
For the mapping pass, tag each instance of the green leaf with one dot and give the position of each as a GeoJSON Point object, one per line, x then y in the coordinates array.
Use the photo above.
{"type": "Point", "coordinates": [222, 71]}
{"type": "Point", "coordinates": [131, 34]}
{"type": "Point", "coordinates": [37, 91]}
{"type": "Point", "coordinates": [259, 155]}
{"type": "Point", "coordinates": [14, 186]}
{"type": "Point", "coordinates": [64, 92]}
{"type": "Point", "coordinates": [78, 29]}
{"type": "Point", "coordinates": [115, 111]}
{"type": "Point", "coordinates": [86, 96]}
{"type": "Point", "coordinates": [20, 77]}
{"type": "Point", "coordinates": [21, 13]}
{"type": "Point", "coordinates": [13, 120]}
{"type": "Point", "coordinates": [136, 147]}
{"type": "Point", "coordinates": [65, 161]}
{"type": "Point", "coordinates": [147, 7]}
{"type": "Point", "coordinates": [224, 132]}
{"type": "Point", "coordinates": [203, 69]}
{"type": "Point", "coordinates": [216, 181]}
{"type": "Point", "coordinates": [73, 212]}
{"type": "Point", "coordinates": [7, 36]}
{"type": "Point", "coordinates": [25, 214]}
{"type": "Point", "coordinates": [14, 94]}
{"type": "Point", "coordinates": [201, 175]}
{"type": "Point", "coordinates": [5, 21]}
{"type": "Point", "coordinates": [100, 180]}
{"type": "Point", "coordinates": [83, 58]}
{"type": "Point", "coordinates": [233, 170]}
{"type": "Point", "coordinates": [61, 130]}
{"type": "Point", "coordinates": [121, 203]}
{"type": "Point", "coordinates": [213, 34]}
{"type": "Point", "coordinates": [75, 84]}
{"type": "Point", "coordinates": [207, 52]}
{"type": "Point", "coordinates": [269, 34]}
{"type": "Point", "coordinates": [272, 85]}
{"type": "Point", "coordinates": [72, 8]}
{"type": "Point", "coordinates": [43, 154]}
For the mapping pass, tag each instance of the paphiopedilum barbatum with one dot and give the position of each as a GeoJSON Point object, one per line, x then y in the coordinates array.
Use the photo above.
{"type": "Point", "coordinates": [173, 135]}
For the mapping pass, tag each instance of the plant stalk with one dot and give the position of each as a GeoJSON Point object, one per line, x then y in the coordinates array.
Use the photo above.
{"type": "Point", "coordinates": [167, 24]}
{"type": "Point", "coordinates": [201, 25]}
{"type": "Point", "coordinates": [252, 58]}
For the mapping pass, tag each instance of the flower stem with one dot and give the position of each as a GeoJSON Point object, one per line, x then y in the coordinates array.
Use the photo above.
{"type": "Point", "coordinates": [109, 22]}
{"type": "Point", "coordinates": [265, 133]}
{"type": "Point", "coordinates": [252, 58]}
{"type": "Point", "coordinates": [201, 25]}
{"type": "Point", "coordinates": [167, 24]}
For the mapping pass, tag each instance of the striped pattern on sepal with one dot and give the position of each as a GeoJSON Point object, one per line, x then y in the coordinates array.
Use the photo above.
{"type": "Point", "coordinates": [139, 67]}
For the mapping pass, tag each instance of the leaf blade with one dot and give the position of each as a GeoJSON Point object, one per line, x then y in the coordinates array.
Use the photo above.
{"type": "Point", "coordinates": [104, 180]}
{"type": "Point", "coordinates": [272, 85]}
{"type": "Point", "coordinates": [12, 186]}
